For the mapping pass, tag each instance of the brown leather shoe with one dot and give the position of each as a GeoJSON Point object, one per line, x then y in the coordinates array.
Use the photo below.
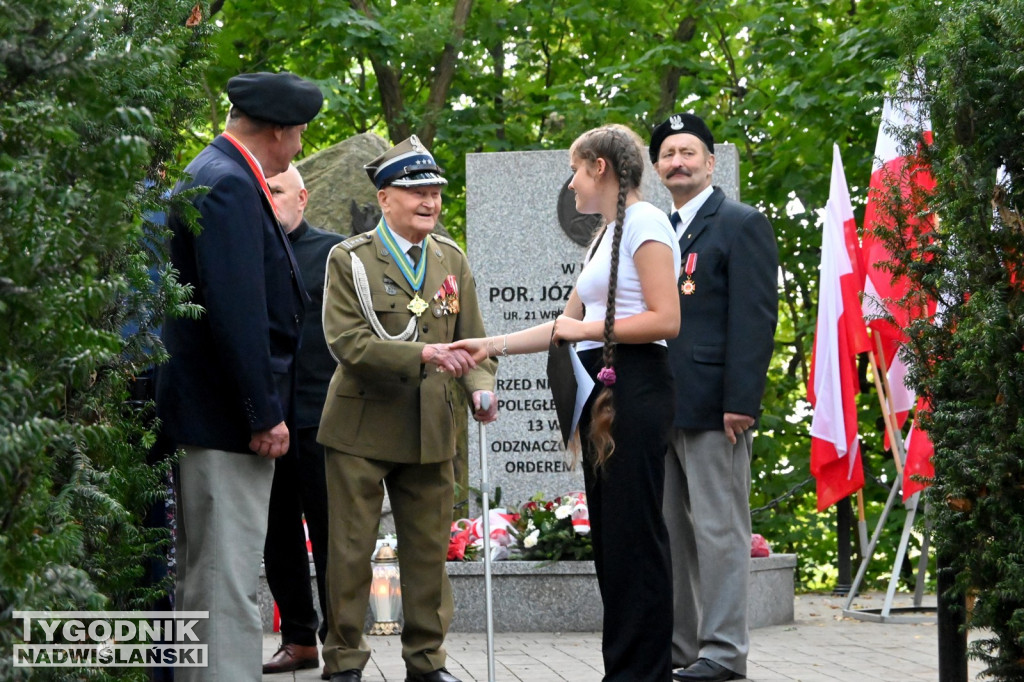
{"type": "Point", "coordinates": [324, 675]}
{"type": "Point", "coordinates": [291, 657]}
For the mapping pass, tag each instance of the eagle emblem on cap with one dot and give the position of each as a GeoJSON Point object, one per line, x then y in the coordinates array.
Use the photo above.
{"type": "Point", "coordinates": [416, 144]}
{"type": "Point", "coordinates": [676, 122]}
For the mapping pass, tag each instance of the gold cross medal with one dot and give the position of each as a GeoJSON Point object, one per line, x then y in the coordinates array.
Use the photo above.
{"type": "Point", "coordinates": [417, 305]}
{"type": "Point", "coordinates": [689, 286]}
{"type": "Point", "coordinates": [414, 277]}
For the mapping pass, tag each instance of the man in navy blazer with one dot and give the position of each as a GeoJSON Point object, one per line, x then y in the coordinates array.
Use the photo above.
{"type": "Point", "coordinates": [224, 397]}
{"type": "Point", "coordinates": [728, 297]}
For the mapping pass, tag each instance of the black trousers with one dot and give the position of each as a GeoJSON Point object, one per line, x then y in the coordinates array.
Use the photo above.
{"type": "Point", "coordinates": [624, 496]}
{"type": "Point", "coordinates": [299, 488]}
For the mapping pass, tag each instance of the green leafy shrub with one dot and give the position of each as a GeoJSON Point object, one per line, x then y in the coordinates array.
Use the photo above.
{"type": "Point", "coordinates": [969, 360]}
{"type": "Point", "coordinates": [93, 97]}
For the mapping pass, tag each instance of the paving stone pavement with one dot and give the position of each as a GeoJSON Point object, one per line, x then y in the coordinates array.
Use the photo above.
{"type": "Point", "coordinates": [821, 645]}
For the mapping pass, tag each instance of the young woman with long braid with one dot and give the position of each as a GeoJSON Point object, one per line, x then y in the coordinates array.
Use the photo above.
{"type": "Point", "coordinates": [622, 309]}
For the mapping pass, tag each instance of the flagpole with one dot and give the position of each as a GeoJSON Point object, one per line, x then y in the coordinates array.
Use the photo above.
{"type": "Point", "coordinates": [899, 452]}
{"type": "Point", "coordinates": [893, 492]}
{"type": "Point", "coordinates": [862, 523]}
{"type": "Point", "coordinates": [883, 403]}
{"type": "Point", "coordinates": [896, 440]}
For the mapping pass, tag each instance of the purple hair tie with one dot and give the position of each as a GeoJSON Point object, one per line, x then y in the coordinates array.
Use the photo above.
{"type": "Point", "coordinates": [606, 376]}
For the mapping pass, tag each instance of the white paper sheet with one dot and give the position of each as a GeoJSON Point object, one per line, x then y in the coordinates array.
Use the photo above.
{"type": "Point", "coordinates": [584, 386]}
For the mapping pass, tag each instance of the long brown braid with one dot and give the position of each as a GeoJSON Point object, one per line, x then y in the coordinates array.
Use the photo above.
{"type": "Point", "coordinates": [622, 150]}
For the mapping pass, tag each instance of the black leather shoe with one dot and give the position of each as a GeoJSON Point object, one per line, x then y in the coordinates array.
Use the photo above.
{"type": "Point", "coordinates": [705, 670]}
{"type": "Point", "coordinates": [353, 675]}
{"type": "Point", "coordinates": [439, 675]}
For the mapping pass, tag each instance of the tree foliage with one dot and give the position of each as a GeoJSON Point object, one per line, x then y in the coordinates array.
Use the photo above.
{"type": "Point", "coordinates": [92, 96]}
{"type": "Point", "coordinates": [969, 359]}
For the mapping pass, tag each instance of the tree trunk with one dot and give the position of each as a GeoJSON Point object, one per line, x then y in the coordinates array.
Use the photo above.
{"type": "Point", "coordinates": [684, 33]}
{"type": "Point", "coordinates": [388, 85]}
{"type": "Point", "coordinates": [444, 73]}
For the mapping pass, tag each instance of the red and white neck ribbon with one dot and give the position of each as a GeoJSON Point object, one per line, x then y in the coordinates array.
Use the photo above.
{"type": "Point", "coordinates": [691, 264]}
{"type": "Point", "coordinates": [256, 169]}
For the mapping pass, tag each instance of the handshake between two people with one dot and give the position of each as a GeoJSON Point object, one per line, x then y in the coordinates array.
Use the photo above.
{"type": "Point", "coordinates": [462, 355]}
{"type": "Point", "coordinates": [457, 362]}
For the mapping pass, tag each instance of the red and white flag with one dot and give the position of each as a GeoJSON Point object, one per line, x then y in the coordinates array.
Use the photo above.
{"type": "Point", "coordinates": [902, 396]}
{"type": "Point", "coordinates": [919, 456]}
{"type": "Point", "coordinates": [902, 180]}
{"type": "Point", "coordinates": [839, 337]}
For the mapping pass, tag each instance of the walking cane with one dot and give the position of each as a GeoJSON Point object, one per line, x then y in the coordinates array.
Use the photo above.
{"type": "Point", "coordinates": [485, 404]}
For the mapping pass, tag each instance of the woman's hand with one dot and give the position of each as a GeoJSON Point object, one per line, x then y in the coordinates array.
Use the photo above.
{"type": "Point", "coordinates": [569, 329]}
{"type": "Point", "coordinates": [479, 349]}
{"type": "Point", "coordinates": [447, 359]}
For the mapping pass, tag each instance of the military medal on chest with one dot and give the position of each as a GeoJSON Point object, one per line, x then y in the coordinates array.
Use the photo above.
{"type": "Point", "coordinates": [417, 305]}
{"type": "Point", "coordinates": [689, 286]}
{"type": "Point", "coordinates": [447, 297]}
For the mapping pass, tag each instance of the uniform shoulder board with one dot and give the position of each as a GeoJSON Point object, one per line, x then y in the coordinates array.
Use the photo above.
{"type": "Point", "coordinates": [444, 239]}
{"type": "Point", "coordinates": [357, 240]}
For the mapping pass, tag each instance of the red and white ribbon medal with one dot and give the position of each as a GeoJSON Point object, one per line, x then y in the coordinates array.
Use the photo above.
{"type": "Point", "coordinates": [688, 287]}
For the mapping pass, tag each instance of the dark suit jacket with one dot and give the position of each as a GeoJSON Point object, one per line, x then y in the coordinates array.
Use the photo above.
{"type": "Point", "coordinates": [314, 364]}
{"type": "Point", "coordinates": [231, 370]}
{"type": "Point", "coordinates": [727, 327]}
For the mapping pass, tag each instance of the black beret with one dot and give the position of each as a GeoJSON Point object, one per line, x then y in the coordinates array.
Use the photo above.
{"type": "Point", "coordinates": [281, 98]}
{"type": "Point", "coordinates": [681, 123]}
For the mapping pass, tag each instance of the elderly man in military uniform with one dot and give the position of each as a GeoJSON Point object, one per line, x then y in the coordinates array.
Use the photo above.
{"type": "Point", "coordinates": [395, 298]}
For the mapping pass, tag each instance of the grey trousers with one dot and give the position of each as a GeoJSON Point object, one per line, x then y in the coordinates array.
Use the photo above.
{"type": "Point", "coordinates": [222, 500]}
{"type": "Point", "coordinates": [707, 511]}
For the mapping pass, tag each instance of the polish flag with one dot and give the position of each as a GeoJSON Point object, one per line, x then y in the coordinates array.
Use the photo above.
{"type": "Point", "coordinates": [903, 397]}
{"type": "Point", "coordinates": [919, 456]}
{"type": "Point", "coordinates": [839, 337]}
{"type": "Point", "coordinates": [899, 182]}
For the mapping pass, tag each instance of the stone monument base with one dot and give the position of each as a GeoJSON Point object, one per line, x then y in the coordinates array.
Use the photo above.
{"type": "Point", "coordinates": [563, 597]}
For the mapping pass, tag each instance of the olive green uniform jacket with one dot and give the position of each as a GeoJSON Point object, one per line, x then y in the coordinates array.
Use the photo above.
{"type": "Point", "coordinates": [383, 403]}
{"type": "Point", "coordinates": [389, 421]}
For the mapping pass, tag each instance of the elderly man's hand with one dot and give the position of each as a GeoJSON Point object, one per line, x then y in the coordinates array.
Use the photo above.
{"type": "Point", "coordinates": [447, 359]}
{"type": "Point", "coordinates": [271, 443]}
{"type": "Point", "coordinates": [735, 424]}
{"type": "Point", "coordinates": [479, 413]}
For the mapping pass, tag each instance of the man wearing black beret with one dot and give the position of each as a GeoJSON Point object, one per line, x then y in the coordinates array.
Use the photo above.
{"type": "Point", "coordinates": [225, 396]}
{"type": "Point", "coordinates": [728, 300]}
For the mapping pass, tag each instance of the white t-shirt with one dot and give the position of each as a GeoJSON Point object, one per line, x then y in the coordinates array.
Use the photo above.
{"type": "Point", "coordinates": [643, 223]}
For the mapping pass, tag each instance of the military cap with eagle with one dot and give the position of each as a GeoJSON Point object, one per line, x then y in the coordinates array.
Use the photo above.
{"type": "Point", "coordinates": [407, 164]}
{"type": "Point", "coordinates": [677, 124]}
